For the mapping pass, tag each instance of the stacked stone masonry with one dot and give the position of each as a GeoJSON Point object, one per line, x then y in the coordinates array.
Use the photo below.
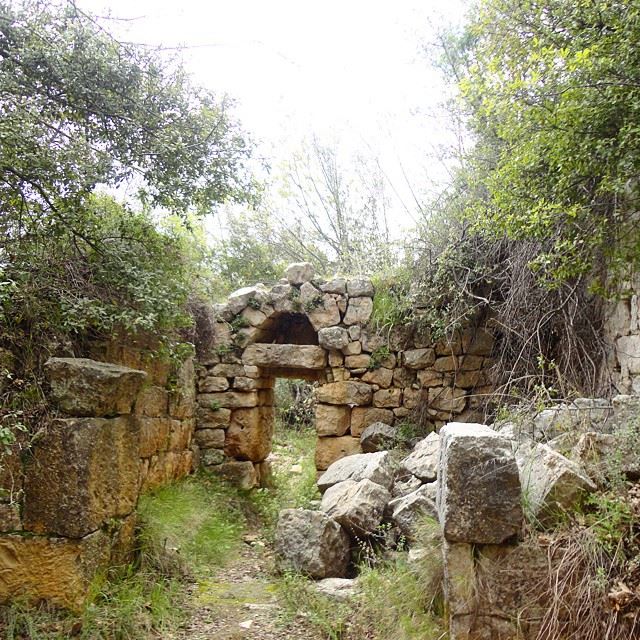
{"type": "Point", "coordinates": [320, 330]}
{"type": "Point", "coordinates": [622, 334]}
{"type": "Point", "coordinates": [67, 501]}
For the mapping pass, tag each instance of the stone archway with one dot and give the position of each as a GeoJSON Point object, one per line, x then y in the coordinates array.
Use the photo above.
{"type": "Point", "coordinates": [317, 330]}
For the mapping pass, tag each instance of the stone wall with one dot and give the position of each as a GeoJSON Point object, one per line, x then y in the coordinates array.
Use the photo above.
{"type": "Point", "coordinates": [320, 330]}
{"type": "Point", "coordinates": [68, 499]}
{"type": "Point", "coordinates": [622, 333]}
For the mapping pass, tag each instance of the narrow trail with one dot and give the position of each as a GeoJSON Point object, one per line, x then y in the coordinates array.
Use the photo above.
{"type": "Point", "coordinates": [239, 601]}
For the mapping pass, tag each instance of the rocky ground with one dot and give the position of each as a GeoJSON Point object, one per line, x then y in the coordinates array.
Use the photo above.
{"type": "Point", "coordinates": [239, 601]}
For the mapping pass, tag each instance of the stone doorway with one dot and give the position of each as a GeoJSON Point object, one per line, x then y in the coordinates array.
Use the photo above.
{"type": "Point", "coordinates": [319, 330]}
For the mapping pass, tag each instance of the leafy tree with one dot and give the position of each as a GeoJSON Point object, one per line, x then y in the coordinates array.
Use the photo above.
{"type": "Point", "coordinates": [80, 109]}
{"type": "Point", "coordinates": [80, 112]}
{"type": "Point", "coordinates": [553, 96]}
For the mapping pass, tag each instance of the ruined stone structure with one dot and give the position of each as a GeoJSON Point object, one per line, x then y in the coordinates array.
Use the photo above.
{"type": "Point", "coordinates": [318, 330]}
{"type": "Point", "coordinates": [67, 502]}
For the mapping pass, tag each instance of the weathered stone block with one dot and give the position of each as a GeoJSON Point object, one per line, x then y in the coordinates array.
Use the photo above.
{"type": "Point", "coordinates": [211, 384]}
{"type": "Point", "coordinates": [380, 376]}
{"type": "Point", "coordinates": [357, 287]}
{"type": "Point", "coordinates": [325, 314]}
{"type": "Point", "coordinates": [83, 387]}
{"type": "Point", "coordinates": [332, 420]}
{"type": "Point", "coordinates": [242, 474]}
{"type": "Point", "coordinates": [83, 472]}
{"type": "Point", "coordinates": [447, 399]}
{"type": "Point", "coordinates": [361, 418]}
{"type": "Point", "coordinates": [9, 519]}
{"type": "Point", "coordinates": [356, 505]}
{"type": "Point", "coordinates": [347, 392]}
{"type": "Point", "coordinates": [210, 438]}
{"type": "Point", "coordinates": [403, 377]}
{"type": "Point", "coordinates": [212, 418]}
{"type": "Point", "coordinates": [249, 434]}
{"type": "Point", "coordinates": [212, 457]}
{"type": "Point", "coordinates": [408, 510]}
{"type": "Point", "coordinates": [387, 398]}
{"type": "Point", "coordinates": [239, 299]}
{"type": "Point", "coordinates": [180, 434]}
{"type": "Point", "coordinates": [361, 361]}
{"type": "Point", "coordinates": [335, 285]}
{"type": "Point", "coordinates": [377, 467]}
{"type": "Point", "coordinates": [152, 402]}
{"type": "Point", "coordinates": [227, 370]}
{"type": "Point", "coordinates": [182, 401]}
{"type": "Point", "coordinates": [419, 358]}
{"type": "Point", "coordinates": [628, 352]}
{"type": "Point", "coordinates": [311, 543]}
{"type": "Point", "coordinates": [412, 398]}
{"type": "Point", "coordinates": [430, 378]}
{"type": "Point", "coordinates": [255, 317]}
{"type": "Point", "coordinates": [423, 461]}
{"type": "Point", "coordinates": [479, 493]}
{"type": "Point", "coordinates": [359, 311]}
{"type": "Point", "coordinates": [299, 272]}
{"type": "Point", "coordinates": [551, 484]}
{"type": "Point", "coordinates": [229, 399]}
{"type": "Point", "coordinates": [379, 437]}
{"type": "Point", "coordinates": [154, 435]}
{"type": "Point", "coordinates": [334, 338]}
{"type": "Point", "coordinates": [352, 348]}
{"type": "Point", "coordinates": [285, 356]}
{"type": "Point", "coordinates": [329, 450]}
{"type": "Point", "coordinates": [478, 342]}
{"type": "Point", "coordinates": [56, 570]}
{"type": "Point", "coordinates": [446, 364]}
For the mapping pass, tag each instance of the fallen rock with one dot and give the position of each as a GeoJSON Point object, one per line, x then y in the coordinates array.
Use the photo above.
{"type": "Point", "coordinates": [311, 543]}
{"type": "Point", "coordinates": [405, 484]}
{"type": "Point", "coordinates": [83, 387]}
{"type": "Point", "coordinates": [407, 511]}
{"type": "Point", "coordinates": [376, 467]}
{"type": "Point", "coordinates": [423, 461]}
{"type": "Point", "coordinates": [339, 589]}
{"type": "Point", "coordinates": [551, 483]}
{"type": "Point", "coordinates": [479, 497]}
{"type": "Point", "coordinates": [357, 506]}
{"type": "Point", "coordinates": [378, 437]}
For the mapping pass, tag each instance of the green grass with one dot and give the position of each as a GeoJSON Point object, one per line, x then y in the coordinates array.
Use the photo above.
{"type": "Point", "coordinates": [396, 602]}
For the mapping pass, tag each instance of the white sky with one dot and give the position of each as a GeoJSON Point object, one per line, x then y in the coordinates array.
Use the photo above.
{"type": "Point", "coordinates": [351, 73]}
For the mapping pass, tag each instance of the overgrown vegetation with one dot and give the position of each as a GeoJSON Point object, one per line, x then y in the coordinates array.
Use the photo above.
{"type": "Point", "coordinates": [397, 601]}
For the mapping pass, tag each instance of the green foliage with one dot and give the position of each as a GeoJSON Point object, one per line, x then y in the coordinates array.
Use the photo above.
{"type": "Point", "coordinates": [295, 404]}
{"type": "Point", "coordinates": [553, 96]}
{"type": "Point", "coordinates": [197, 522]}
{"type": "Point", "coordinates": [81, 109]}
{"type": "Point", "coordinates": [392, 302]}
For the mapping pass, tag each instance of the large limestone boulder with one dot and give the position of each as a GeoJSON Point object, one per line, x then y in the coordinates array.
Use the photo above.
{"type": "Point", "coordinates": [423, 461]}
{"type": "Point", "coordinates": [312, 543]}
{"type": "Point", "coordinates": [299, 272]}
{"type": "Point", "coordinates": [479, 497]}
{"type": "Point", "coordinates": [285, 356]}
{"type": "Point", "coordinates": [83, 472]}
{"type": "Point", "coordinates": [379, 437]}
{"type": "Point", "coordinates": [376, 467]}
{"type": "Point", "coordinates": [357, 506]}
{"type": "Point", "coordinates": [406, 511]}
{"type": "Point", "coordinates": [551, 484]}
{"type": "Point", "coordinates": [239, 299]}
{"type": "Point", "coordinates": [84, 387]}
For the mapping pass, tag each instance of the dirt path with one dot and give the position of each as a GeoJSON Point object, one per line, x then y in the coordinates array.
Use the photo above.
{"type": "Point", "coordinates": [239, 602]}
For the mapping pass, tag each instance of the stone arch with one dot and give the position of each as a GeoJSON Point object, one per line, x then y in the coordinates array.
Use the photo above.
{"type": "Point", "coordinates": [318, 330]}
